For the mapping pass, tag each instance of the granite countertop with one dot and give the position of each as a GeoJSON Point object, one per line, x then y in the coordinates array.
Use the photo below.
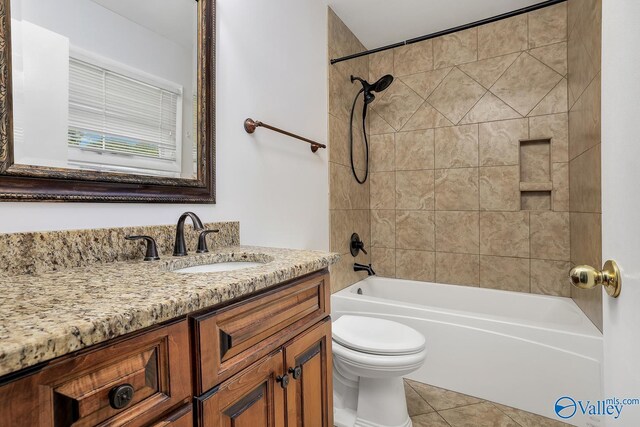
{"type": "Point", "coordinates": [47, 315]}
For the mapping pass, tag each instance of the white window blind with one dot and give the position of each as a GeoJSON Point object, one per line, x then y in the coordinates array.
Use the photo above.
{"type": "Point", "coordinates": [118, 115]}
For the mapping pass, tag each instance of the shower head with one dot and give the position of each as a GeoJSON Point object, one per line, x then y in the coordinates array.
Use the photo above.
{"type": "Point", "coordinates": [382, 84]}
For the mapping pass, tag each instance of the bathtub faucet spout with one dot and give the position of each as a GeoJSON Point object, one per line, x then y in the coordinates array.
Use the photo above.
{"type": "Point", "coordinates": [362, 267]}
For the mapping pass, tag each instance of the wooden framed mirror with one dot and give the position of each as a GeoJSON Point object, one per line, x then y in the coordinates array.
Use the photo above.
{"type": "Point", "coordinates": [107, 100]}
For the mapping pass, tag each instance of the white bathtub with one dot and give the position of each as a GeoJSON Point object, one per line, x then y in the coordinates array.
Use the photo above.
{"type": "Point", "coordinates": [521, 350]}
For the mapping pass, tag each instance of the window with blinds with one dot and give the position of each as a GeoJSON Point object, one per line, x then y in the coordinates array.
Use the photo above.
{"type": "Point", "coordinates": [131, 122]}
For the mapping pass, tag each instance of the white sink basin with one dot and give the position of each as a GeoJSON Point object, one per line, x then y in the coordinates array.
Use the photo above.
{"type": "Point", "coordinates": [218, 267]}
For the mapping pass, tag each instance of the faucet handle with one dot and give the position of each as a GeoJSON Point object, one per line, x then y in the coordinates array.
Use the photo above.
{"type": "Point", "coordinates": [152, 248]}
{"type": "Point", "coordinates": [202, 241]}
{"type": "Point", "coordinates": [356, 245]}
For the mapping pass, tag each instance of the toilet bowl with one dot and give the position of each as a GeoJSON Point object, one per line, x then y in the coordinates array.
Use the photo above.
{"type": "Point", "coordinates": [370, 357]}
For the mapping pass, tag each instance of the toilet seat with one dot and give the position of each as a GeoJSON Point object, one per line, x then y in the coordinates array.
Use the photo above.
{"type": "Point", "coordinates": [374, 336]}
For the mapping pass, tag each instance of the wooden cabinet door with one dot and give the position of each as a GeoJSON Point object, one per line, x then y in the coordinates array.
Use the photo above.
{"type": "Point", "coordinates": [253, 398]}
{"type": "Point", "coordinates": [309, 366]}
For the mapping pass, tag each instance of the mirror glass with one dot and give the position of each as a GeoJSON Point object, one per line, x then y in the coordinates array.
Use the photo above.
{"type": "Point", "coordinates": [106, 85]}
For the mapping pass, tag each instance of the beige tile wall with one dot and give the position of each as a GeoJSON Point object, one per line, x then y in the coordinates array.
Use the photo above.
{"type": "Point", "coordinates": [446, 166]}
{"type": "Point", "coordinates": [348, 201]}
{"type": "Point", "coordinates": [584, 52]}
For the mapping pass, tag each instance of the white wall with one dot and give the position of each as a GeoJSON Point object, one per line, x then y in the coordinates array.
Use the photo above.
{"type": "Point", "coordinates": [272, 67]}
{"type": "Point", "coordinates": [621, 200]}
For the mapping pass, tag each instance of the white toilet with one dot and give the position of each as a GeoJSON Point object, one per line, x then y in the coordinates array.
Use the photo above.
{"type": "Point", "coordinates": [370, 357]}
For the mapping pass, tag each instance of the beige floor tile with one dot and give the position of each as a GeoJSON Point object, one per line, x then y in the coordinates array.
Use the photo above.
{"type": "Point", "coordinates": [429, 420]}
{"type": "Point", "coordinates": [480, 415]}
{"type": "Point", "coordinates": [416, 404]}
{"type": "Point", "coordinates": [441, 399]}
{"type": "Point", "coordinates": [527, 419]}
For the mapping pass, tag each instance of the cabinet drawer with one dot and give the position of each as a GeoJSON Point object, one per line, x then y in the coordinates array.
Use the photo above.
{"type": "Point", "coordinates": [181, 418]}
{"type": "Point", "coordinates": [233, 337]}
{"type": "Point", "coordinates": [131, 382]}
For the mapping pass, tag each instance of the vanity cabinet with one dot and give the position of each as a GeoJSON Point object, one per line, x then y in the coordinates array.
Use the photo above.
{"type": "Point", "coordinates": [290, 387]}
{"type": "Point", "coordinates": [261, 361]}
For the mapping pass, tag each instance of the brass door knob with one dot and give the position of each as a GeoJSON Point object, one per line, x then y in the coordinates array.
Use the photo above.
{"type": "Point", "coordinates": [587, 277]}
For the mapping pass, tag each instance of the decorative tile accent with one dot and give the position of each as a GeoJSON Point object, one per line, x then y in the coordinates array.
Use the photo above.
{"type": "Point", "coordinates": [397, 104]}
{"type": "Point", "coordinates": [457, 94]}
{"type": "Point", "coordinates": [490, 108]}
{"type": "Point", "coordinates": [456, 48]}
{"type": "Point", "coordinates": [456, 147]}
{"type": "Point", "coordinates": [457, 269]}
{"type": "Point", "coordinates": [415, 189]}
{"type": "Point", "coordinates": [488, 71]}
{"type": "Point", "coordinates": [525, 83]}
{"type": "Point", "coordinates": [503, 37]}
{"type": "Point", "coordinates": [553, 56]}
{"type": "Point", "coordinates": [457, 189]}
{"type": "Point", "coordinates": [504, 234]}
{"type": "Point", "coordinates": [500, 142]}
{"type": "Point", "coordinates": [415, 265]}
{"type": "Point", "coordinates": [426, 117]}
{"type": "Point", "coordinates": [425, 83]}
{"type": "Point", "coordinates": [415, 150]}
{"type": "Point", "coordinates": [508, 274]}
{"type": "Point", "coordinates": [413, 58]}
{"type": "Point", "coordinates": [499, 189]}
{"type": "Point", "coordinates": [548, 25]}
{"type": "Point", "coordinates": [377, 125]}
{"type": "Point", "coordinates": [415, 230]}
{"type": "Point", "coordinates": [458, 232]}
{"type": "Point", "coordinates": [554, 102]}
{"type": "Point", "coordinates": [382, 153]}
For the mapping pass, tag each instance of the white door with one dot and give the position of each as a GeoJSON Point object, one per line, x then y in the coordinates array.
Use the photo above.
{"type": "Point", "coordinates": [621, 201]}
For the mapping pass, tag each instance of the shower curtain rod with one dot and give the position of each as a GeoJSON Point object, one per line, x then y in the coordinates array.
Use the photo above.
{"type": "Point", "coordinates": [451, 30]}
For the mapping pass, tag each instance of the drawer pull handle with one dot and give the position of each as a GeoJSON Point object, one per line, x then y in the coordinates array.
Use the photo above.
{"type": "Point", "coordinates": [296, 372]}
{"type": "Point", "coordinates": [283, 380]}
{"type": "Point", "coordinates": [121, 396]}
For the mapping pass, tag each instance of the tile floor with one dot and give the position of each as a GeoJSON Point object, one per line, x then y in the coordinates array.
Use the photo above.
{"type": "Point", "coordinates": [431, 406]}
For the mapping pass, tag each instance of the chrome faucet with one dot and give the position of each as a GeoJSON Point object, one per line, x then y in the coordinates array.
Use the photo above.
{"type": "Point", "coordinates": [180, 247]}
{"type": "Point", "coordinates": [362, 267]}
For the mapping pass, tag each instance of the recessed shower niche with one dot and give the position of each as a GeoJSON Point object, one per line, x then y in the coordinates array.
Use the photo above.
{"type": "Point", "coordinates": [536, 183]}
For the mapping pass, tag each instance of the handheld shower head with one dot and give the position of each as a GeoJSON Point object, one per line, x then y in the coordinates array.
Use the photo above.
{"type": "Point", "coordinates": [382, 84]}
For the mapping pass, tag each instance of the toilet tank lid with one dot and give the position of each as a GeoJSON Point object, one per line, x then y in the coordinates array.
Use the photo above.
{"type": "Point", "coordinates": [377, 336]}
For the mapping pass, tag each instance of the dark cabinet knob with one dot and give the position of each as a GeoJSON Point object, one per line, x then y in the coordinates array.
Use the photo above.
{"type": "Point", "coordinates": [283, 380]}
{"type": "Point", "coordinates": [296, 372]}
{"type": "Point", "coordinates": [121, 396]}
